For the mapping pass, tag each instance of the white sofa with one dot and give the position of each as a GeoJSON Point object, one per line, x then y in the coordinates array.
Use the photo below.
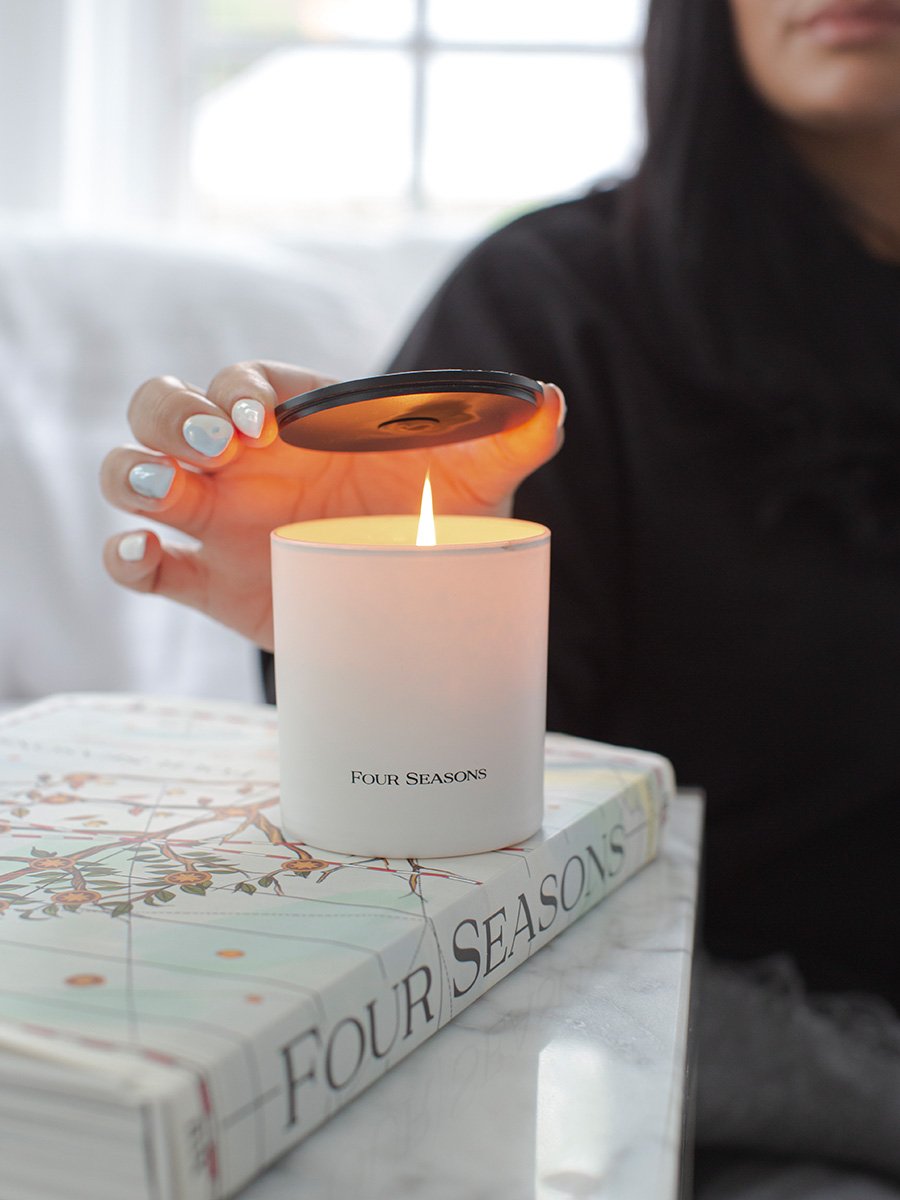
{"type": "Point", "coordinates": [83, 320]}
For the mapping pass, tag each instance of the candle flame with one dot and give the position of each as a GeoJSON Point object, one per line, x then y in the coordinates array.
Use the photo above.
{"type": "Point", "coordinates": [426, 534]}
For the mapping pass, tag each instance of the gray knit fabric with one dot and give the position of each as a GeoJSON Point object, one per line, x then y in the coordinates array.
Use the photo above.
{"type": "Point", "coordinates": [801, 1090]}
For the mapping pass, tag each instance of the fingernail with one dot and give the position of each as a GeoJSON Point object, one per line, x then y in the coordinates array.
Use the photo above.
{"type": "Point", "coordinates": [151, 479]}
{"type": "Point", "coordinates": [563, 407]}
{"type": "Point", "coordinates": [206, 434]}
{"type": "Point", "coordinates": [249, 417]}
{"type": "Point", "coordinates": [132, 547]}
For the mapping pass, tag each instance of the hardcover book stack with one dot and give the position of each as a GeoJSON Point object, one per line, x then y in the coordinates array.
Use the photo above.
{"type": "Point", "coordinates": [185, 993]}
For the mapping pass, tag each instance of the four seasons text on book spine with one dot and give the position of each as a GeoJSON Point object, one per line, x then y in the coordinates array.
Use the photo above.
{"type": "Point", "coordinates": [337, 1055]}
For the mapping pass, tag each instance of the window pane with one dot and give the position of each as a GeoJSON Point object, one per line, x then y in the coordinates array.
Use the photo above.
{"type": "Point", "coordinates": [613, 22]}
{"type": "Point", "coordinates": [514, 128]}
{"type": "Point", "coordinates": [304, 129]}
{"type": "Point", "coordinates": [312, 19]}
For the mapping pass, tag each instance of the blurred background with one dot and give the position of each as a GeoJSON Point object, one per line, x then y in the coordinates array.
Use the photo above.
{"type": "Point", "coordinates": [188, 183]}
{"type": "Point", "coordinates": [276, 115]}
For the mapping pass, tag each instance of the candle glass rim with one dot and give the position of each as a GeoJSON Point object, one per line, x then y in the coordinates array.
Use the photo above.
{"type": "Point", "coordinates": [537, 535]}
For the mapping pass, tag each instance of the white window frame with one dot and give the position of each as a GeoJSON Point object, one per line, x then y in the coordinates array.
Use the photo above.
{"type": "Point", "coordinates": [97, 97]}
{"type": "Point", "coordinates": [419, 47]}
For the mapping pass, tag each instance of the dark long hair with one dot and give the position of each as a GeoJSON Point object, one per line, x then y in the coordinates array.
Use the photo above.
{"type": "Point", "coordinates": [750, 282]}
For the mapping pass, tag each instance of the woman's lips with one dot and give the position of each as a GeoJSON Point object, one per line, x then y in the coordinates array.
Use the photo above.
{"type": "Point", "coordinates": [853, 24]}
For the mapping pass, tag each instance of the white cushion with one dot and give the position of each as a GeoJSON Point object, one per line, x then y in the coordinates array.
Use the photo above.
{"type": "Point", "coordinates": [83, 320]}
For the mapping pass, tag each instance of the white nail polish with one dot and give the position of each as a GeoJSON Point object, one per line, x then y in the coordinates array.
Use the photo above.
{"type": "Point", "coordinates": [563, 407]}
{"type": "Point", "coordinates": [207, 434]}
{"type": "Point", "coordinates": [152, 480]}
{"type": "Point", "coordinates": [249, 417]}
{"type": "Point", "coordinates": [132, 547]}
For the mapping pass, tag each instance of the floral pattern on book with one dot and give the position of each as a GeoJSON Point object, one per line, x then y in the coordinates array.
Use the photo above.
{"type": "Point", "coordinates": [149, 843]}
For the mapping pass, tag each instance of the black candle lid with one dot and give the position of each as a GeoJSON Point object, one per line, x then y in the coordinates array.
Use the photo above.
{"type": "Point", "coordinates": [408, 410]}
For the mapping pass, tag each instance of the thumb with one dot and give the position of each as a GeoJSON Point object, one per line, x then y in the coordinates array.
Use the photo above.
{"type": "Point", "coordinates": [531, 445]}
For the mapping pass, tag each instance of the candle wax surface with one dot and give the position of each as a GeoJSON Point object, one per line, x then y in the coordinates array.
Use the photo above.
{"type": "Point", "coordinates": [393, 532]}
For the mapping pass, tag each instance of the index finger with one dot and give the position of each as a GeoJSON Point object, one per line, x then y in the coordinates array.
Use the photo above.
{"type": "Point", "coordinates": [249, 392]}
{"type": "Point", "coordinates": [178, 420]}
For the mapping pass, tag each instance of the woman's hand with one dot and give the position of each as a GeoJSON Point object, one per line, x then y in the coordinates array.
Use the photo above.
{"type": "Point", "coordinates": [212, 466]}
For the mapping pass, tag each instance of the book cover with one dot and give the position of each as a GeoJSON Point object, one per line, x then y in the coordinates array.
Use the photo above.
{"type": "Point", "coordinates": [185, 993]}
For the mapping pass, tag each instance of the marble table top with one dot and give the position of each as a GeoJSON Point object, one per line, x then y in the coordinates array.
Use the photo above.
{"type": "Point", "coordinates": [565, 1080]}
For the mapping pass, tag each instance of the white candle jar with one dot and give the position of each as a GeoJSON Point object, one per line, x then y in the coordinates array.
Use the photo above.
{"type": "Point", "coordinates": [411, 683]}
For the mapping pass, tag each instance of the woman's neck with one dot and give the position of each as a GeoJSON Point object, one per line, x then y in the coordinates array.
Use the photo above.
{"type": "Point", "coordinates": [863, 170]}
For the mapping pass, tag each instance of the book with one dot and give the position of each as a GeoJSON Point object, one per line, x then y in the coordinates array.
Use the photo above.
{"type": "Point", "coordinates": [185, 993]}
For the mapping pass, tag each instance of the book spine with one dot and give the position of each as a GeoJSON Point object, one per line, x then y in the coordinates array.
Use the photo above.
{"type": "Point", "coordinates": [180, 1145]}
{"type": "Point", "coordinates": [568, 877]}
{"type": "Point", "coordinates": [323, 1059]}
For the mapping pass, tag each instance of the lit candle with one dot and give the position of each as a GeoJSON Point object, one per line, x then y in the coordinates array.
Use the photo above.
{"type": "Point", "coordinates": [411, 681]}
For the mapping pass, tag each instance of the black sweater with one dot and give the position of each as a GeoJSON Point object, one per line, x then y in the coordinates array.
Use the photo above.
{"type": "Point", "coordinates": [763, 657]}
